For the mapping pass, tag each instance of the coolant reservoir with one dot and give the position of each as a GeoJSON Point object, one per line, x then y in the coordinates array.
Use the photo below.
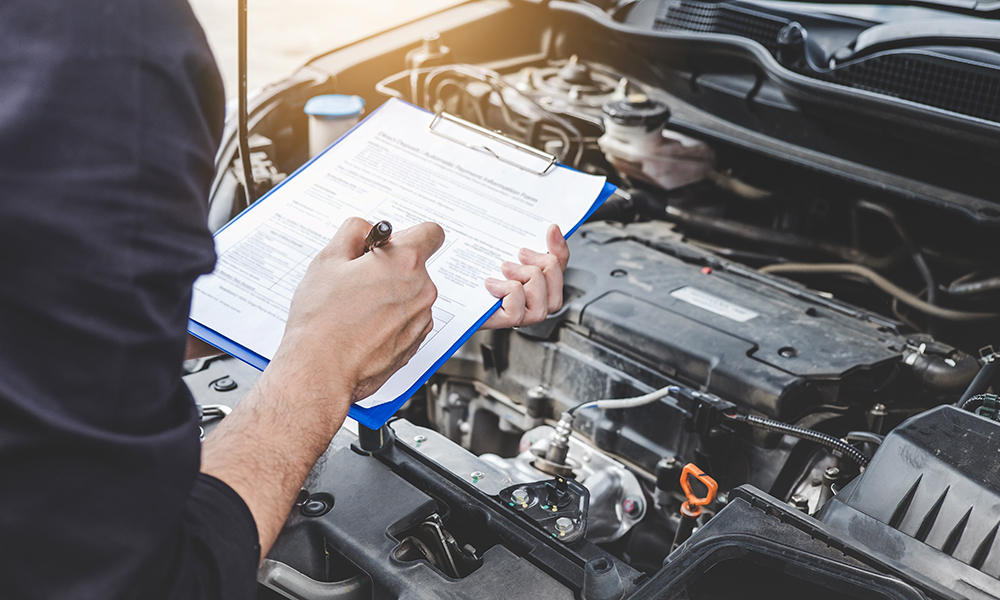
{"type": "Point", "coordinates": [636, 144]}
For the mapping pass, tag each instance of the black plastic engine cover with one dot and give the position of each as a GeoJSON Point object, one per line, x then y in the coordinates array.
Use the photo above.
{"type": "Point", "coordinates": [929, 502]}
{"type": "Point", "coordinates": [734, 337]}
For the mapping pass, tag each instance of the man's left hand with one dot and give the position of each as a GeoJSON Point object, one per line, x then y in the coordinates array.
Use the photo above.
{"type": "Point", "coordinates": [534, 287]}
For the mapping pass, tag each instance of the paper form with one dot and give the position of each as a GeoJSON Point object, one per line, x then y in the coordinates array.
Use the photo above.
{"type": "Point", "coordinates": [390, 167]}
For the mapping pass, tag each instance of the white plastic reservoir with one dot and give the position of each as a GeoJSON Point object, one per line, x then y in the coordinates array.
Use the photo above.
{"type": "Point", "coordinates": [331, 116]}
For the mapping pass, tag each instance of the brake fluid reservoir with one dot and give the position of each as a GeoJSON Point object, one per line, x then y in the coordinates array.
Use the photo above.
{"type": "Point", "coordinates": [636, 143]}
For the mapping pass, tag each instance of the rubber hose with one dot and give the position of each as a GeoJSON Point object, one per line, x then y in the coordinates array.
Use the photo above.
{"type": "Point", "coordinates": [802, 433]}
{"type": "Point", "coordinates": [934, 372]}
{"type": "Point", "coordinates": [982, 382]}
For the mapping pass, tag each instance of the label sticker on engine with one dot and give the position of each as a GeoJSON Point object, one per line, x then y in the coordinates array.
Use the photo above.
{"type": "Point", "coordinates": [714, 304]}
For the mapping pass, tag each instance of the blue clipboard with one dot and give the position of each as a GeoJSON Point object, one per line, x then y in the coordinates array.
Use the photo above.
{"type": "Point", "coordinates": [375, 416]}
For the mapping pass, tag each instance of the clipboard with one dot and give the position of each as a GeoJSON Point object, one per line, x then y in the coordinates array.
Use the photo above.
{"type": "Point", "coordinates": [459, 131]}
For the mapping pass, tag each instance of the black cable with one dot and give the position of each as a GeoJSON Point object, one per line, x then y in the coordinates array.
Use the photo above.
{"type": "Point", "coordinates": [911, 246]}
{"type": "Point", "coordinates": [802, 433]}
{"type": "Point", "coordinates": [976, 401]}
{"type": "Point", "coordinates": [243, 132]}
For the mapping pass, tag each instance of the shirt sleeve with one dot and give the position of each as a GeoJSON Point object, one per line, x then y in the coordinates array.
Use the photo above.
{"type": "Point", "coordinates": [111, 113]}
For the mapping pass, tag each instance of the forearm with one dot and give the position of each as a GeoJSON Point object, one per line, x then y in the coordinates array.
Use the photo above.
{"type": "Point", "coordinates": [266, 448]}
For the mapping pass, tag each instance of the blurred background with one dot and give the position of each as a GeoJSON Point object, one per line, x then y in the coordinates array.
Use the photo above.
{"type": "Point", "coordinates": [284, 34]}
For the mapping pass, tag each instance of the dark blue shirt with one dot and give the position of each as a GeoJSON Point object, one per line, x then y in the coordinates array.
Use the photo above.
{"type": "Point", "coordinates": [111, 113]}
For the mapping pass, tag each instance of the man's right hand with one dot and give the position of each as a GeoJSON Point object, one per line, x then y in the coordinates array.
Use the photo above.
{"type": "Point", "coordinates": [356, 318]}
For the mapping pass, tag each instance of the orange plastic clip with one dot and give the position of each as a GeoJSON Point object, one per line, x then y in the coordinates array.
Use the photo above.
{"type": "Point", "coordinates": [692, 508]}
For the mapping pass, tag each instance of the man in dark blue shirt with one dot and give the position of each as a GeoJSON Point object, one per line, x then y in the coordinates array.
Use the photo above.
{"type": "Point", "coordinates": [111, 113]}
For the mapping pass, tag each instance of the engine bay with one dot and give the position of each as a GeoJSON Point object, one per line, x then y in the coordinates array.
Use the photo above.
{"type": "Point", "coordinates": [771, 373]}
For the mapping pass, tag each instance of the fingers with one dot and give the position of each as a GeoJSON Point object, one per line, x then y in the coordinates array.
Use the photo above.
{"type": "Point", "coordinates": [551, 271]}
{"type": "Point", "coordinates": [534, 285]}
{"type": "Point", "coordinates": [552, 265]}
{"type": "Point", "coordinates": [349, 241]}
{"type": "Point", "coordinates": [557, 245]}
{"type": "Point", "coordinates": [511, 312]}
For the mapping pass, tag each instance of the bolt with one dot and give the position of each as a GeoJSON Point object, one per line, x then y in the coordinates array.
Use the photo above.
{"type": "Point", "coordinates": [879, 410]}
{"type": "Point", "coordinates": [477, 475]}
{"type": "Point", "coordinates": [800, 502]}
{"type": "Point", "coordinates": [419, 439]}
{"type": "Point", "coordinates": [521, 496]}
{"type": "Point", "coordinates": [537, 393]}
{"type": "Point", "coordinates": [632, 505]}
{"type": "Point", "coordinates": [564, 525]}
{"type": "Point", "coordinates": [831, 473]}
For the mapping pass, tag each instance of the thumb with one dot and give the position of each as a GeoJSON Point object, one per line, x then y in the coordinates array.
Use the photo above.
{"type": "Point", "coordinates": [425, 238]}
{"type": "Point", "coordinates": [349, 241]}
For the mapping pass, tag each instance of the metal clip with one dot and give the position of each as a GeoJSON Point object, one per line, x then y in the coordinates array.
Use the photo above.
{"type": "Point", "coordinates": [549, 159]}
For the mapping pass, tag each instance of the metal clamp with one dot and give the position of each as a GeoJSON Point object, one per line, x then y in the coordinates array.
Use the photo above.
{"type": "Point", "coordinates": [442, 116]}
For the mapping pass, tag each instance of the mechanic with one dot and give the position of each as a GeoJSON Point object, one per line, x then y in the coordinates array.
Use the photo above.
{"type": "Point", "coordinates": [111, 112]}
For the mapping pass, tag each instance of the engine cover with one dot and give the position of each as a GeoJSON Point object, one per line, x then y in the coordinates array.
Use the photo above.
{"type": "Point", "coordinates": [643, 309]}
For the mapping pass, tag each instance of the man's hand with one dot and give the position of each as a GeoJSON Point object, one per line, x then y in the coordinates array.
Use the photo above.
{"type": "Point", "coordinates": [533, 289]}
{"type": "Point", "coordinates": [354, 320]}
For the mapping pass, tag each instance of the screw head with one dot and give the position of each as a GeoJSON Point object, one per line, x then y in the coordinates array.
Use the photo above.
{"type": "Point", "coordinates": [419, 439]}
{"type": "Point", "coordinates": [520, 495]}
{"type": "Point", "coordinates": [800, 502]}
{"type": "Point", "coordinates": [477, 475]}
{"type": "Point", "coordinates": [831, 473]}
{"type": "Point", "coordinates": [564, 525]}
{"type": "Point", "coordinates": [632, 505]}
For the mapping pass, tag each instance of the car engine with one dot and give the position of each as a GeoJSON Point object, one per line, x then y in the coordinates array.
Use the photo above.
{"type": "Point", "coordinates": [771, 374]}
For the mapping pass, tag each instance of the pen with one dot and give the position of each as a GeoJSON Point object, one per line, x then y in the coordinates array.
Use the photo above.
{"type": "Point", "coordinates": [378, 236]}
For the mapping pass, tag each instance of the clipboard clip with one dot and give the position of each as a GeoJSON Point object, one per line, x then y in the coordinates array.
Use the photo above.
{"type": "Point", "coordinates": [547, 159]}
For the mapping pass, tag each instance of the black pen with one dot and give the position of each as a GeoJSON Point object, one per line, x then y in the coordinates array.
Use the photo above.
{"type": "Point", "coordinates": [378, 236]}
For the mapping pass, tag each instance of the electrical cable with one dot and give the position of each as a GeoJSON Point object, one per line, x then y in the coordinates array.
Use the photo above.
{"type": "Point", "coordinates": [977, 401]}
{"type": "Point", "coordinates": [865, 437]}
{"type": "Point", "coordinates": [802, 433]}
{"type": "Point", "coordinates": [611, 404]}
{"type": "Point", "coordinates": [966, 288]}
{"type": "Point", "coordinates": [882, 283]}
{"type": "Point", "coordinates": [915, 254]}
{"type": "Point", "coordinates": [243, 132]}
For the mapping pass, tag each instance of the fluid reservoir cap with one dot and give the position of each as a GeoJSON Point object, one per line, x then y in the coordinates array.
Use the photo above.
{"type": "Point", "coordinates": [638, 109]}
{"type": "Point", "coordinates": [335, 106]}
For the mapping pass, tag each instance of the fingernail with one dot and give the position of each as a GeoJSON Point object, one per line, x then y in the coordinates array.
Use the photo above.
{"type": "Point", "coordinates": [510, 265]}
{"type": "Point", "coordinates": [491, 284]}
